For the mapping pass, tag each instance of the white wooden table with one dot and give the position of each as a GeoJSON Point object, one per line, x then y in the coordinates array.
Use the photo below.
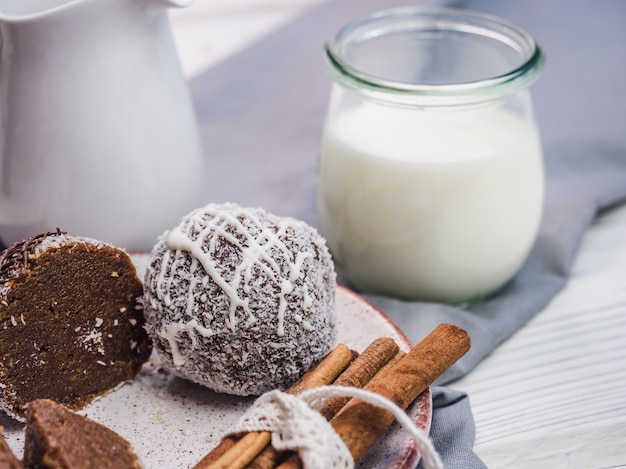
{"type": "Point", "coordinates": [554, 395]}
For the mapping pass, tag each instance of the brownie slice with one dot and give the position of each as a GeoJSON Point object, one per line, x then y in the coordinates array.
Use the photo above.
{"type": "Point", "coordinates": [58, 438]}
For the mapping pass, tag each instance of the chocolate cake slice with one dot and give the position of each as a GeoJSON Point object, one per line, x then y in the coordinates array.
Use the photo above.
{"type": "Point", "coordinates": [56, 437]}
{"type": "Point", "coordinates": [71, 325]}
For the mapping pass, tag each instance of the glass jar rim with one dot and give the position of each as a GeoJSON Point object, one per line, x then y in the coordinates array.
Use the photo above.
{"type": "Point", "coordinates": [450, 19]}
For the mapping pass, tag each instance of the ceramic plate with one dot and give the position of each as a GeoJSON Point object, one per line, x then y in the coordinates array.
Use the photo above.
{"type": "Point", "coordinates": [173, 423]}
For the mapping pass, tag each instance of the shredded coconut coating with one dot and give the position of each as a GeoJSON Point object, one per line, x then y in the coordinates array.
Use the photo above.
{"type": "Point", "coordinates": [16, 259]}
{"type": "Point", "coordinates": [240, 300]}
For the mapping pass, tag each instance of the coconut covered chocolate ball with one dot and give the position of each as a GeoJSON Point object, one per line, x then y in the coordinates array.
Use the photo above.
{"type": "Point", "coordinates": [240, 300]}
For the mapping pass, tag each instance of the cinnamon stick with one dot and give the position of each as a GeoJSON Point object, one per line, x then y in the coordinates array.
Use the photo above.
{"type": "Point", "coordinates": [360, 424]}
{"type": "Point", "coordinates": [291, 459]}
{"type": "Point", "coordinates": [324, 372]}
{"type": "Point", "coordinates": [243, 451]}
{"type": "Point", "coordinates": [378, 354]}
{"type": "Point", "coordinates": [361, 371]}
{"type": "Point", "coordinates": [269, 458]}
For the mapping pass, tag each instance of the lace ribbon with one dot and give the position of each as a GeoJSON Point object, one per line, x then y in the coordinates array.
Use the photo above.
{"type": "Point", "coordinates": [296, 424]}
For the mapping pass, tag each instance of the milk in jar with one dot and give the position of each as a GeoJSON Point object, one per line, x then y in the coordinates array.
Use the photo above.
{"type": "Point", "coordinates": [431, 180]}
{"type": "Point", "coordinates": [435, 205]}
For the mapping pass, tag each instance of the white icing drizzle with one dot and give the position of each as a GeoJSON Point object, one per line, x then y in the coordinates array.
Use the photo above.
{"type": "Point", "coordinates": [161, 291]}
{"type": "Point", "coordinates": [171, 331]}
{"type": "Point", "coordinates": [308, 299]}
{"type": "Point", "coordinates": [192, 285]}
{"type": "Point", "coordinates": [255, 252]}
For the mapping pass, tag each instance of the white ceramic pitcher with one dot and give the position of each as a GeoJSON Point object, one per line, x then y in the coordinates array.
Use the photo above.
{"type": "Point", "coordinates": [97, 134]}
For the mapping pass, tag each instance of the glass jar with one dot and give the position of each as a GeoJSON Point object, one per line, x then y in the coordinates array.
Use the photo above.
{"type": "Point", "coordinates": [431, 179]}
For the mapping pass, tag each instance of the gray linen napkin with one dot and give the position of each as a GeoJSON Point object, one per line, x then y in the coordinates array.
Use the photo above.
{"type": "Point", "coordinates": [261, 114]}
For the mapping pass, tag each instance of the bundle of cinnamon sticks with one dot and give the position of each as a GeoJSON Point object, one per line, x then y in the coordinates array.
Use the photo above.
{"type": "Point", "coordinates": [382, 368]}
